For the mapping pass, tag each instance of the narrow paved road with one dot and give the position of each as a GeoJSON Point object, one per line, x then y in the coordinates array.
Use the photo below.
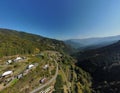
{"type": "Point", "coordinates": [47, 83]}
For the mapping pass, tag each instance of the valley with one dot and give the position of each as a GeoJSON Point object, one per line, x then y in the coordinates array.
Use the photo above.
{"type": "Point", "coordinates": [59, 46]}
{"type": "Point", "coordinates": [37, 64]}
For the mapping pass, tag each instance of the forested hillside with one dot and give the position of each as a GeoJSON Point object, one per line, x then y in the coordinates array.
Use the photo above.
{"type": "Point", "coordinates": [104, 66]}
{"type": "Point", "coordinates": [13, 42]}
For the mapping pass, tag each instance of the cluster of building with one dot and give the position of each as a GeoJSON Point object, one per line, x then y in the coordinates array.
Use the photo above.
{"type": "Point", "coordinates": [18, 59]}
{"type": "Point", "coordinates": [26, 71]}
{"type": "Point", "coordinates": [11, 72]}
{"type": "Point", "coordinates": [44, 80]}
{"type": "Point", "coordinates": [8, 75]}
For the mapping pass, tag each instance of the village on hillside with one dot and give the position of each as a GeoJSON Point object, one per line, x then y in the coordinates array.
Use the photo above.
{"type": "Point", "coordinates": [17, 68]}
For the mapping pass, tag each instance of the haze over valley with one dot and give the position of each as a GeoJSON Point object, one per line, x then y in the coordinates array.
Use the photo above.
{"type": "Point", "coordinates": [91, 43]}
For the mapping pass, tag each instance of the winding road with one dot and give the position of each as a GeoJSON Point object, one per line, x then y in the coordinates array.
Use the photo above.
{"type": "Point", "coordinates": [47, 83]}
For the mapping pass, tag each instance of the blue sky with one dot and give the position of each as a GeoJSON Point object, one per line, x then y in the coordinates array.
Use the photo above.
{"type": "Point", "coordinates": [62, 19]}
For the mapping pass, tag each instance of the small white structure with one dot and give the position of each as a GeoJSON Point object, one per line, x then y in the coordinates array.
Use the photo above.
{"type": "Point", "coordinates": [18, 58]}
{"type": "Point", "coordinates": [20, 76]}
{"type": "Point", "coordinates": [9, 61]}
{"type": "Point", "coordinates": [7, 73]}
{"type": "Point", "coordinates": [30, 66]}
{"type": "Point", "coordinates": [46, 66]}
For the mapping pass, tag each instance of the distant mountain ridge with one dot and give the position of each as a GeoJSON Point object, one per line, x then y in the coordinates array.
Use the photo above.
{"type": "Point", "coordinates": [13, 42]}
{"type": "Point", "coordinates": [92, 43]}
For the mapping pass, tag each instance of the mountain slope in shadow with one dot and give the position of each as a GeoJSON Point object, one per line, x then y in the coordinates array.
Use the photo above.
{"type": "Point", "coordinates": [104, 66]}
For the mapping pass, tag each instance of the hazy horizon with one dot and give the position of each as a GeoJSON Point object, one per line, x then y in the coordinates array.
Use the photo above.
{"type": "Point", "coordinates": [61, 39]}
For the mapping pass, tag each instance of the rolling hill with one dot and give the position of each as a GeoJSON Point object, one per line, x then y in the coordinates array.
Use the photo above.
{"type": "Point", "coordinates": [13, 42]}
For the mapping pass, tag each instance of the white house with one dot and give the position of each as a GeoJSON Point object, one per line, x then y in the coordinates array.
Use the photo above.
{"type": "Point", "coordinates": [9, 62]}
{"type": "Point", "coordinates": [46, 66]}
{"type": "Point", "coordinates": [7, 73]}
{"type": "Point", "coordinates": [30, 66]}
{"type": "Point", "coordinates": [18, 59]}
